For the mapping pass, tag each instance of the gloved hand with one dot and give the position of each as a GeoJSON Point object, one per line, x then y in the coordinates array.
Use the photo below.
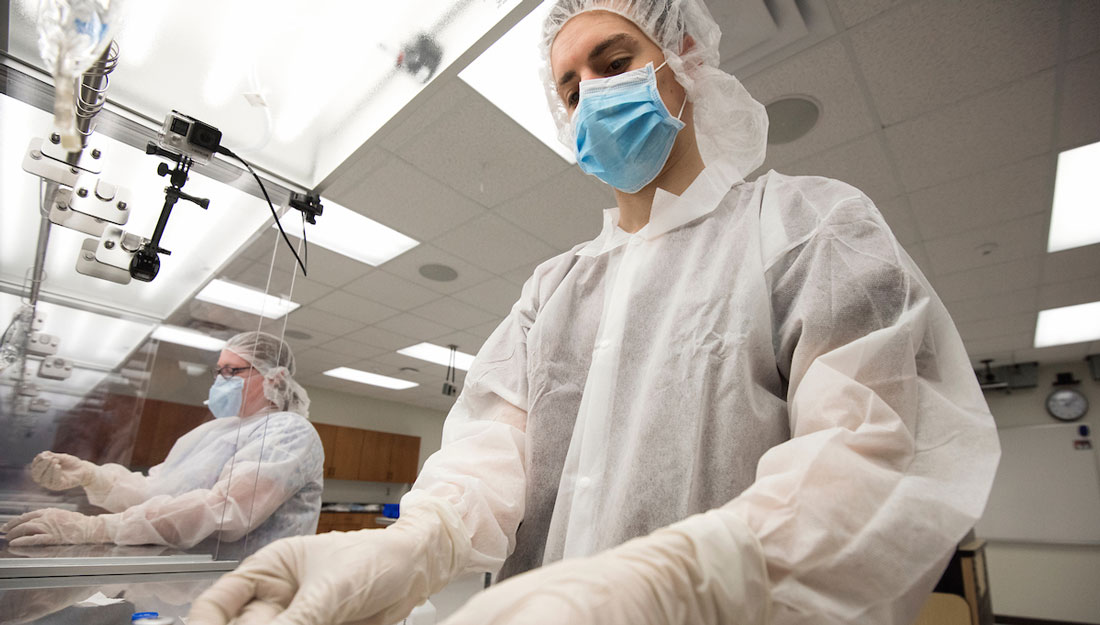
{"type": "Point", "coordinates": [51, 526]}
{"type": "Point", "coordinates": [61, 471]}
{"type": "Point", "coordinates": [705, 570]}
{"type": "Point", "coordinates": [371, 577]}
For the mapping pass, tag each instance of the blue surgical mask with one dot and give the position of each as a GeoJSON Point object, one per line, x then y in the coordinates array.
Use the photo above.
{"type": "Point", "coordinates": [225, 396]}
{"type": "Point", "coordinates": [623, 131]}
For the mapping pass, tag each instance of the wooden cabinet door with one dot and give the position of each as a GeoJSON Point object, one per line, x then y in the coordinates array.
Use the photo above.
{"type": "Point", "coordinates": [374, 464]}
{"type": "Point", "coordinates": [349, 448]}
{"type": "Point", "coordinates": [162, 424]}
{"type": "Point", "coordinates": [328, 443]}
{"type": "Point", "coordinates": [404, 458]}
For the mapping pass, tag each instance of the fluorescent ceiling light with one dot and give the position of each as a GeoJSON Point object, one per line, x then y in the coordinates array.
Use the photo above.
{"type": "Point", "coordinates": [86, 338]}
{"type": "Point", "coordinates": [1069, 324]}
{"type": "Point", "coordinates": [507, 75]}
{"type": "Point", "coordinates": [346, 232]}
{"type": "Point", "coordinates": [363, 377]}
{"type": "Point", "coordinates": [237, 297]}
{"type": "Point", "coordinates": [439, 355]}
{"type": "Point", "coordinates": [188, 337]}
{"type": "Point", "coordinates": [1075, 215]}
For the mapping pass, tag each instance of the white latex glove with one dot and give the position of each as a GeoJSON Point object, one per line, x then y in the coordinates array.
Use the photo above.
{"type": "Point", "coordinates": [61, 471]}
{"type": "Point", "coordinates": [370, 577]}
{"type": "Point", "coordinates": [51, 526]}
{"type": "Point", "coordinates": [707, 569]}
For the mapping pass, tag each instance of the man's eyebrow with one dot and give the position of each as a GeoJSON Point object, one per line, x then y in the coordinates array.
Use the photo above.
{"type": "Point", "coordinates": [597, 51]}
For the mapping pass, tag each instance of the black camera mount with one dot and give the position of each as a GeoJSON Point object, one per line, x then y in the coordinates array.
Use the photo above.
{"type": "Point", "coordinates": [146, 261]}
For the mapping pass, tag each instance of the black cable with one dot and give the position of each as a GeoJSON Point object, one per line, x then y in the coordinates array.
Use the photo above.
{"type": "Point", "coordinates": [224, 150]}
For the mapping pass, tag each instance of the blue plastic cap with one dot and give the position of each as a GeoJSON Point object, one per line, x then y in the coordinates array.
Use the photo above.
{"type": "Point", "coordinates": [141, 615]}
{"type": "Point", "coordinates": [391, 510]}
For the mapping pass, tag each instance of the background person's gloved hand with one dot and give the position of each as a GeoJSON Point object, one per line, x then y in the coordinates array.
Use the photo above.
{"type": "Point", "coordinates": [373, 577]}
{"type": "Point", "coordinates": [51, 526]}
{"type": "Point", "coordinates": [61, 471]}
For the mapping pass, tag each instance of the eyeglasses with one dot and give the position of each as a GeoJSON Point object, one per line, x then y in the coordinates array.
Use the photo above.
{"type": "Point", "coordinates": [228, 371]}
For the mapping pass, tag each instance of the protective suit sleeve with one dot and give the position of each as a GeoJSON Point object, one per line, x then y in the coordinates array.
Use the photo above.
{"type": "Point", "coordinates": [893, 450]}
{"type": "Point", "coordinates": [115, 488]}
{"type": "Point", "coordinates": [267, 470]}
{"type": "Point", "coordinates": [480, 467]}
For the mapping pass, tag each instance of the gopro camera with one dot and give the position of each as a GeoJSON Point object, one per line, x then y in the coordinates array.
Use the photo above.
{"type": "Point", "coordinates": [145, 263]}
{"type": "Point", "coordinates": [189, 136]}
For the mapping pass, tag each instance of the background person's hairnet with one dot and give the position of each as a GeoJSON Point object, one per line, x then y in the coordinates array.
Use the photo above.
{"type": "Point", "coordinates": [272, 357]}
{"type": "Point", "coordinates": [731, 127]}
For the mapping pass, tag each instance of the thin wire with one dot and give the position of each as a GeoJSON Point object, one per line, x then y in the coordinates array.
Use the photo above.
{"type": "Point", "coordinates": [228, 152]}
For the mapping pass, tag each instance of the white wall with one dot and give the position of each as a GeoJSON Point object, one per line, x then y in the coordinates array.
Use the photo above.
{"type": "Point", "coordinates": [1054, 582]}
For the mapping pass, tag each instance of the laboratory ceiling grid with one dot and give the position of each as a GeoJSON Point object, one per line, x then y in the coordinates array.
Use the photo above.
{"type": "Point", "coordinates": [949, 115]}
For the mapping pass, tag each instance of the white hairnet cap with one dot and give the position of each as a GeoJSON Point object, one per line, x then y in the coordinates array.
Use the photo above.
{"type": "Point", "coordinates": [271, 356]}
{"type": "Point", "coordinates": [731, 127]}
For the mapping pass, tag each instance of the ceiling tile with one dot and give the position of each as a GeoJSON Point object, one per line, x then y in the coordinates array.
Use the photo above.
{"type": "Point", "coordinates": [408, 265]}
{"type": "Point", "coordinates": [1073, 353]}
{"type": "Point", "coordinates": [481, 152]}
{"type": "Point", "coordinates": [494, 244]}
{"type": "Point", "coordinates": [825, 74]}
{"type": "Point", "coordinates": [1014, 240]}
{"type": "Point", "coordinates": [917, 252]}
{"type": "Point", "coordinates": [390, 290]}
{"type": "Point", "coordinates": [927, 54]}
{"type": "Point", "coordinates": [565, 210]}
{"type": "Point", "coordinates": [354, 307]}
{"type": "Point", "coordinates": [993, 327]}
{"type": "Point", "coordinates": [985, 281]}
{"type": "Point", "coordinates": [853, 12]}
{"type": "Point", "coordinates": [999, 347]}
{"type": "Point", "coordinates": [993, 129]}
{"type": "Point", "coordinates": [352, 171]}
{"type": "Point", "coordinates": [413, 326]}
{"type": "Point", "coordinates": [1084, 27]}
{"type": "Point", "coordinates": [453, 313]}
{"type": "Point", "coordinates": [1069, 293]}
{"type": "Point", "coordinates": [483, 331]}
{"type": "Point", "coordinates": [1075, 264]}
{"type": "Point", "coordinates": [520, 275]}
{"type": "Point", "coordinates": [389, 341]}
{"type": "Point", "coordinates": [495, 295]}
{"type": "Point", "coordinates": [899, 217]}
{"type": "Point", "coordinates": [986, 199]}
{"type": "Point", "coordinates": [352, 349]}
{"type": "Point", "coordinates": [990, 306]}
{"type": "Point", "coordinates": [1079, 113]}
{"type": "Point", "coordinates": [330, 268]}
{"type": "Point", "coordinates": [311, 318]}
{"type": "Point", "coordinates": [319, 359]}
{"type": "Point", "coordinates": [422, 112]}
{"type": "Point", "coordinates": [467, 342]}
{"type": "Point", "coordinates": [316, 337]}
{"type": "Point", "coordinates": [862, 163]}
{"type": "Point", "coordinates": [404, 198]}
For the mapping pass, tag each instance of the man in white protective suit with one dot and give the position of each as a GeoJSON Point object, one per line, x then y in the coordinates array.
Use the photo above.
{"type": "Point", "coordinates": [741, 403]}
{"type": "Point", "coordinates": [251, 476]}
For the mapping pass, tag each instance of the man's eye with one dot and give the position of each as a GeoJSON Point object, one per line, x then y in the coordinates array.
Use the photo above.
{"type": "Point", "coordinates": [573, 99]}
{"type": "Point", "coordinates": [618, 65]}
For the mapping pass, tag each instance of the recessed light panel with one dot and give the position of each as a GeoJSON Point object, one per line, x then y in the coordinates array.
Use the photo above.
{"type": "Point", "coordinates": [438, 354]}
{"type": "Point", "coordinates": [188, 337]}
{"type": "Point", "coordinates": [238, 297]}
{"type": "Point", "coordinates": [1069, 324]}
{"type": "Point", "coordinates": [1075, 215]}
{"type": "Point", "coordinates": [346, 232]}
{"type": "Point", "coordinates": [365, 377]}
{"type": "Point", "coordinates": [521, 95]}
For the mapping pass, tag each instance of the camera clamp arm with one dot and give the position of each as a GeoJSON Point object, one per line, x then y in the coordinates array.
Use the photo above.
{"type": "Point", "coordinates": [146, 261]}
